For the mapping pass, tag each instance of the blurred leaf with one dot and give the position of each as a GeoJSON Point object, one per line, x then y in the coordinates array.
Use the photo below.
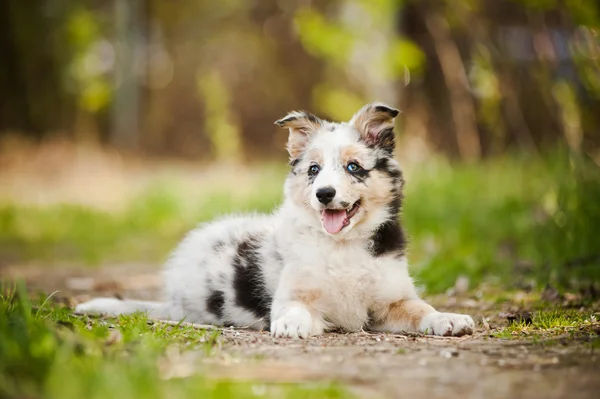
{"type": "Point", "coordinates": [324, 37]}
{"type": "Point", "coordinates": [219, 125]}
{"type": "Point", "coordinates": [339, 104]}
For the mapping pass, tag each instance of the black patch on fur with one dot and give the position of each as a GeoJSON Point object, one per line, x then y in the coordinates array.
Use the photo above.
{"type": "Point", "coordinates": [344, 204]}
{"type": "Point", "coordinates": [395, 206]}
{"type": "Point", "coordinates": [383, 165]}
{"type": "Point", "coordinates": [311, 117]}
{"type": "Point", "coordinates": [388, 239]}
{"type": "Point", "coordinates": [293, 164]}
{"type": "Point", "coordinates": [311, 176]}
{"type": "Point", "coordinates": [360, 175]}
{"type": "Point", "coordinates": [392, 112]}
{"type": "Point", "coordinates": [248, 281]}
{"type": "Point", "coordinates": [385, 140]}
{"type": "Point", "coordinates": [302, 114]}
{"type": "Point", "coordinates": [215, 302]}
{"type": "Point", "coordinates": [370, 318]}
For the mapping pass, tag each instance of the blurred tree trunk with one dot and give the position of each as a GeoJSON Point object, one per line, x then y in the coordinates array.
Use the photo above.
{"type": "Point", "coordinates": [461, 100]}
{"type": "Point", "coordinates": [30, 71]}
{"type": "Point", "coordinates": [129, 19]}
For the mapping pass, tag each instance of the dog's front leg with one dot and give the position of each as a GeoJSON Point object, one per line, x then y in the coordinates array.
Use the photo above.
{"type": "Point", "coordinates": [294, 311]}
{"type": "Point", "coordinates": [416, 315]}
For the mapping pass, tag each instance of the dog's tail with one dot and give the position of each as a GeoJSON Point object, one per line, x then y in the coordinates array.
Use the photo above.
{"type": "Point", "coordinates": [115, 307]}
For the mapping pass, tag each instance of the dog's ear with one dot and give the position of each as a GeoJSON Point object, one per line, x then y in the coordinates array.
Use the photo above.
{"type": "Point", "coordinates": [375, 123]}
{"type": "Point", "coordinates": [302, 126]}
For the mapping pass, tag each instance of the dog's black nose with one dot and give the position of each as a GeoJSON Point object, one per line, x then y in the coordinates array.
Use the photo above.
{"type": "Point", "coordinates": [325, 194]}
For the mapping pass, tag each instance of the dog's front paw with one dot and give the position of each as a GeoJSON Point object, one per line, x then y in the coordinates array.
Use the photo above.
{"type": "Point", "coordinates": [296, 323]}
{"type": "Point", "coordinates": [438, 323]}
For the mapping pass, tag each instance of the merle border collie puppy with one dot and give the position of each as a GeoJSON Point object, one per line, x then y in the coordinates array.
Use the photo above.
{"type": "Point", "coordinates": [332, 256]}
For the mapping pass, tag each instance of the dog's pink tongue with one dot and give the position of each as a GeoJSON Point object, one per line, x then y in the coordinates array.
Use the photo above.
{"type": "Point", "coordinates": [333, 221]}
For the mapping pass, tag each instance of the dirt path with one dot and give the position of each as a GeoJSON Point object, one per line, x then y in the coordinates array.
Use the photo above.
{"type": "Point", "coordinates": [372, 365]}
{"type": "Point", "coordinates": [399, 366]}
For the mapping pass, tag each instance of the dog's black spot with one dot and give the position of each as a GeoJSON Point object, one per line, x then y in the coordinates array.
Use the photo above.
{"type": "Point", "coordinates": [299, 115]}
{"type": "Point", "coordinates": [282, 122]}
{"type": "Point", "coordinates": [248, 281]}
{"type": "Point", "coordinates": [388, 239]}
{"type": "Point", "coordinates": [360, 175]}
{"type": "Point", "coordinates": [311, 178]}
{"type": "Point", "coordinates": [331, 128]}
{"type": "Point", "coordinates": [293, 164]}
{"type": "Point", "coordinates": [383, 165]}
{"type": "Point", "coordinates": [395, 206]}
{"type": "Point", "coordinates": [311, 117]}
{"type": "Point", "coordinates": [215, 302]}
{"type": "Point", "coordinates": [370, 318]}
{"type": "Point", "coordinates": [394, 173]}
{"type": "Point", "coordinates": [344, 204]}
{"type": "Point", "coordinates": [385, 140]}
{"type": "Point", "coordinates": [392, 112]}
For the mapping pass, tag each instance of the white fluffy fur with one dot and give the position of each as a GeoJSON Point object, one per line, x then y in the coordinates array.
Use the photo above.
{"type": "Point", "coordinates": [315, 280]}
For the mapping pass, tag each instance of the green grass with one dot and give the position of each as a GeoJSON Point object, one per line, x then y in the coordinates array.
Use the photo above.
{"type": "Point", "coordinates": [45, 351]}
{"type": "Point", "coordinates": [552, 322]}
{"type": "Point", "coordinates": [145, 230]}
{"type": "Point", "coordinates": [515, 220]}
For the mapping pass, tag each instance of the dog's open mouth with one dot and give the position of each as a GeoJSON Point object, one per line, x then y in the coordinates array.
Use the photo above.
{"type": "Point", "coordinates": [334, 220]}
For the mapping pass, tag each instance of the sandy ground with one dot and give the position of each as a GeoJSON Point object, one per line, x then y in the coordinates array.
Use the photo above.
{"type": "Point", "coordinates": [371, 365]}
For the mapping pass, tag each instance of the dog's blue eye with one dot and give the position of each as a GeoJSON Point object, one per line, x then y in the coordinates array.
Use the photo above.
{"type": "Point", "coordinates": [313, 170]}
{"type": "Point", "coordinates": [352, 167]}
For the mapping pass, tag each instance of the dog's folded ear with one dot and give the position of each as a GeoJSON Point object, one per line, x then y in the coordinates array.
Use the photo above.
{"type": "Point", "coordinates": [302, 126]}
{"type": "Point", "coordinates": [375, 123]}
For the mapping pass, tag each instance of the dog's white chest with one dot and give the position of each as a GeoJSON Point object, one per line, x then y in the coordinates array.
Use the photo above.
{"type": "Point", "coordinates": [346, 277]}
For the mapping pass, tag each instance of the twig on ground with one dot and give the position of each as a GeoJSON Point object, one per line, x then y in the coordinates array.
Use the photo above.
{"type": "Point", "coordinates": [485, 323]}
{"type": "Point", "coordinates": [201, 326]}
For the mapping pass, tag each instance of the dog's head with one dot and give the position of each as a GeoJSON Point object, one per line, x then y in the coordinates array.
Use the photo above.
{"type": "Point", "coordinates": [344, 174]}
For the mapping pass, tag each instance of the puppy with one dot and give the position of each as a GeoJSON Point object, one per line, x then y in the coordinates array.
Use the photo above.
{"type": "Point", "coordinates": [332, 256]}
